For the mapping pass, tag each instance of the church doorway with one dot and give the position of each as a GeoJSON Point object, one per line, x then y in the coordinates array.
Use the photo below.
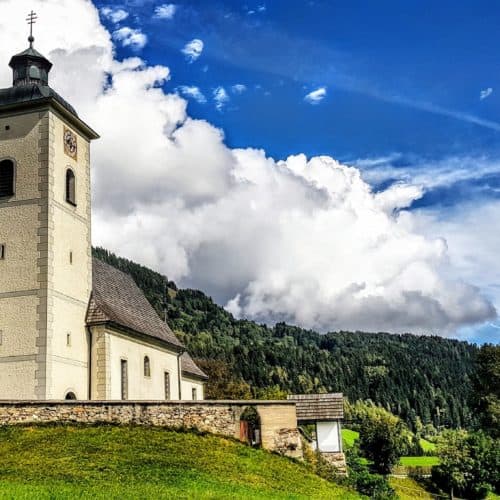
{"type": "Point", "coordinates": [70, 396]}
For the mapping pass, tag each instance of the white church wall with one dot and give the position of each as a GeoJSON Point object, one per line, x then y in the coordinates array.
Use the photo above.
{"type": "Point", "coordinates": [19, 221]}
{"type": "Point", "coordinates": [71, 276]}
{"type": "Point", "coordinates": [187, 386]}
{"type": "Point", "coordinates": [18, 232]}
{"type": "Point", "coordinates": [19, 270]}
{"type": "Point", "coordinates": [69, 270]}
{"type": "Point", "coordinates": [69, 376]}
{"type": "Point", "coordinates": [69, 360]}
{"type": "Point", "coordinates": [140, 386]}
{"type": "Point", "coordinates": [17, 379]}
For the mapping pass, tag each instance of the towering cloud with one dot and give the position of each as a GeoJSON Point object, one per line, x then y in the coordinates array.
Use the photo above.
{"type": "Point", "coordinates": [304, 240]}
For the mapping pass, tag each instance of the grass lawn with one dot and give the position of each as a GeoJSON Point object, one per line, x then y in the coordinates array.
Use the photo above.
{"type": "Point", "coordinates": [419, 461]}
{"type": "Point", "coordinates": [140, 462]}
{"type": "Point", "coordinates": [348, 437]}
{"type": "Point", "coordinates": [407, 488]}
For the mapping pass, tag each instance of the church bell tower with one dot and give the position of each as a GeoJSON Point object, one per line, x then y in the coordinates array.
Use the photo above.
{"type": "Point", "coordinates": [45, 237]}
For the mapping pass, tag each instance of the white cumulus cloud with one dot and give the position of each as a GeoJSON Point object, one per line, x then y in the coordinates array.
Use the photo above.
{"type": "Point", "coordinates": [221, 97]}
{"type": "Point", "coordinates": [316, 96]}
{"type": "Point", "coordinates": [115, 15]}
{"type": "Point", "coordinates": [193, 92]}
{"type": "Point", "coordinates": [130, 37]}
{"type": "Point", "coordinates": [304, 240]}
{"type": "Point", "coordinates": [165, 11]}
{"type": "Point", "coordinates": [193, 49]}
{"type": "Point", "coordinates": [485, 93]}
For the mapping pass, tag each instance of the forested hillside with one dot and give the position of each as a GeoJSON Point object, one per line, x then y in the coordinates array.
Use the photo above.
{"type": "Point", "coordinates": [424, 376]}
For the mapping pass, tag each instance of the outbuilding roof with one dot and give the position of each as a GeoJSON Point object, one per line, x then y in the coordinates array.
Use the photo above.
{"type": "Point", "coordinates": [318, 407]}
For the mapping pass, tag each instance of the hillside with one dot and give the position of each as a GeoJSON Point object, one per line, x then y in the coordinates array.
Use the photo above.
{"type": "Point", "coordinates": [141, 462]}
{"type": "Point", "coordinates": [425, 376]}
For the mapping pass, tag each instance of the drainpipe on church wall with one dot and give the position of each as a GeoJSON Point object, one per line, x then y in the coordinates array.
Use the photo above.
{"type": "Point", "coordinates": [179, 373]}
{"type": "Point", "coordinates": [89, 330]}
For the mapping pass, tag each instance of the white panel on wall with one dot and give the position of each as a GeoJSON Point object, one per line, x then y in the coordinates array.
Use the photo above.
{"type": "Point", "coordinates": [328, 436]}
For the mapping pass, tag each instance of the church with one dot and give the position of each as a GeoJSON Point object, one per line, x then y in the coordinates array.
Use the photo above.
{"type": "Point", "coordinates": [71, 326]}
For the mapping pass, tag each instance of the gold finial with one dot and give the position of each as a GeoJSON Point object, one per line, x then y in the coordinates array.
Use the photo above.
{"type": "Point", "coordinates": [31, 19]}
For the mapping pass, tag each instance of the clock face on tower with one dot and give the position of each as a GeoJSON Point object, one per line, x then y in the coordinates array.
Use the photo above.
{"type": "Point", "coordinates": [70, 143]}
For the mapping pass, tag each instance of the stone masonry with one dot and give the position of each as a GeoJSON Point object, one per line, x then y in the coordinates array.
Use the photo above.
{"type": "Point", "coordinates": [278, 418]}
{"type": "Point", "coordinates": [337, 460]}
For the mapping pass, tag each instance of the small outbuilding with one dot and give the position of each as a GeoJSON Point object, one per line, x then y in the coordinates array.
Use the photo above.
{"type": "Point", "coordinates": [326, 412]}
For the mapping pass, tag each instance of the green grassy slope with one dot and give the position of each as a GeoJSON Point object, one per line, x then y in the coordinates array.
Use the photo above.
{"type": "Point", "coordinates": [407, 488]}
{"type": "Point", "coordinates": [138, 462]}
{"type": "Point", "coordinates": [349, 437]}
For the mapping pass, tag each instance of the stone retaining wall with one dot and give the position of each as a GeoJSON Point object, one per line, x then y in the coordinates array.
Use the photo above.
{"type": "Point", "coordinates": [278, 418]}
{"type": "Point", "coordinates": [337, 460]}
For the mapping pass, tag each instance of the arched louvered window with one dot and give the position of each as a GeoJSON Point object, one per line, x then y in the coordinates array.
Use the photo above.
{"type": "Point", "coordinates": [70, 187]}
{"type": "Point", "coordinates": [147, 367]}
{"type": "Point", "coordinates": [7, 176]}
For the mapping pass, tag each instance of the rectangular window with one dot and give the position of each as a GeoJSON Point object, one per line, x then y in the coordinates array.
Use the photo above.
{"type": "Point", "coordinates": [7, 177]}
{"type": "Point", "coordinates": [71, 257]}
{"type": "Point", "coordinates": [194, 395]}
{"type": "Point", "coordinates": [167, 385]}
{"type": "Point", "coordinates": [2, 251]}
{"type": "Point", "coordinates": [68, 339]}
{"type": "Point", "coordinates": [1, 337]}
{"type": "Point", "coordinates": [124, 379]}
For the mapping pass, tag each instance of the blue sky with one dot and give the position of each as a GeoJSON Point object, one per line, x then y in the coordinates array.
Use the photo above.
{"type": "Point", "coordinates": [403, 90]}
{"type": "Point", "coordinates": [385, 65]}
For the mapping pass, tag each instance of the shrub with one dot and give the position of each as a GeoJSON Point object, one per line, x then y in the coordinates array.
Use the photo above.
{"type": "Point", "coordinates": [360, 478]}
{"type": "Point", "coordinates": [383, 439]}
{"type": "Point", "coordinates": [469, 464]}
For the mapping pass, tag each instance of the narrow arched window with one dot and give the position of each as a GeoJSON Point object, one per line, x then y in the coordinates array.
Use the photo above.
{"type": "Point", "coordinates": [147, 367]}
{"type": "Point", "coordinates": [6, 178]}
{"type": "Point", "coordinates": [70, 187]}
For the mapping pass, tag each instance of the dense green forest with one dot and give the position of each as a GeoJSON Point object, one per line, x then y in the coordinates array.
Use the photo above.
{"type": "Point", "coordinates": [412, 376]}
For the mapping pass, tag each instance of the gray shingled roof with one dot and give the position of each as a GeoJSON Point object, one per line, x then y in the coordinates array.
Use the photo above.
{"type": "Point", "coordinates": [116, 299]}
{"type": "Point", "coordinates": [189, 367]}
{"type": "Point", "coordinates": [34, 94]}
{"type": "Point", "coordinates": [318, 407]}
{"type": "Point", "coordinates": [31, 52]}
